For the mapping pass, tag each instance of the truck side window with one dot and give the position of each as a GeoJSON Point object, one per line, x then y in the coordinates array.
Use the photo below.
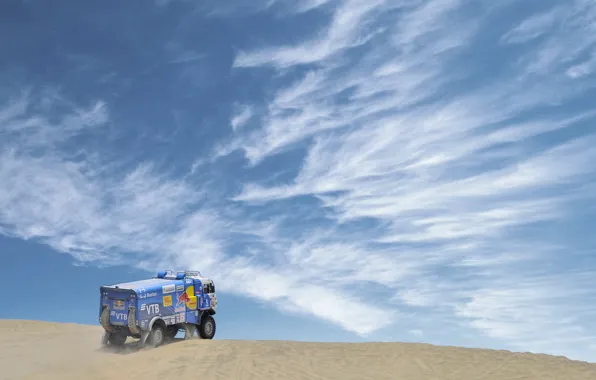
{"type": "Point", "coordinates": [206, 288]}
{"type": "Point", "coordinates": [212, 286]}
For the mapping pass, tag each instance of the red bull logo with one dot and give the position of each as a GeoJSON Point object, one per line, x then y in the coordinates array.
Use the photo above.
{"type": "Point", "coordinates": [183, 298]}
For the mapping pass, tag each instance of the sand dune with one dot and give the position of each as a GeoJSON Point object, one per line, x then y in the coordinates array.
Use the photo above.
{"type": "Point", "coordinates": [51, 351]}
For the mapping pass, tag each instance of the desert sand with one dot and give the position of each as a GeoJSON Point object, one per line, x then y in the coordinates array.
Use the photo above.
{"type": "Point", "coordinates": [52, 351]}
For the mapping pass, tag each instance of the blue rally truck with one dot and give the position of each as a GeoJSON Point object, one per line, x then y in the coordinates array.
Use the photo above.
{"type": "Point", "coordinates": [155, 309]}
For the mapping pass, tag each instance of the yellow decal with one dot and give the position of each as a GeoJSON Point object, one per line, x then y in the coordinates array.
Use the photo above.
{"type": "Point", "coordinates": [192, 303]}
{"type": "Point", "coordinates": [167, 301]}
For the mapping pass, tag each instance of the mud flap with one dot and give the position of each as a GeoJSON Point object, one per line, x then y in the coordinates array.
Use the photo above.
{"type": "Point", "coordinates": [104, 320]}
{"type": "Point", "coordinates": [143, 339]}
{"type": "Point", "coordinates": [189, 330]}
{"type": "Point", "coordinates": [105, 338]}
{"type": "Point", "coordinates": [145, 333]}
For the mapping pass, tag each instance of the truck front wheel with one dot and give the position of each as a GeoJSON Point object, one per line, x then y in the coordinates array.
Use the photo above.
{"type": "Point", "coordinates": [207, 327]}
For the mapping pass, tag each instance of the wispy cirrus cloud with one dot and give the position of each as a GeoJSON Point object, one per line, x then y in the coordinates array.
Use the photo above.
{"type": "Point", "coordinates": [111, 214]}
{"type": "Point", "coordinates": [240, 118]}
{"type": "Point", "coordinates": [345, 30]}
{"type": "Point", "coordinates": [566, 45]}
{"type": "Point", "coordinates": [447, 169]}
{"type": "Point", "coordinates": [242, 8]}
{"type": "Point", "coordinates": [533, 27]}
{"type": "Point", "coordinates": [69, 202]}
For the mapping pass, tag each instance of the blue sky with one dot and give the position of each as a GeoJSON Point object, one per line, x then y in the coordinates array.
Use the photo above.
{"type": "Point", "coordinates": [344, 170]}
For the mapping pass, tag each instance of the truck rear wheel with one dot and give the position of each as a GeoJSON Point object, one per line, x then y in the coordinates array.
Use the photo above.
{"type": "Point", "coordinates": [117, 339]}
{"type": "Point", "coordinates": [207, 327]}
{"type": "Point", "coordinates": [156, 336]}
{"type": "Point", "coordinates": [172, 331]}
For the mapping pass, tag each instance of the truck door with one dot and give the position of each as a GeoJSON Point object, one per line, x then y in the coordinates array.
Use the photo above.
{"type": "Point", "coordinates": [199, 293]}
{"type": "Point", "coordinates": [209, 295]}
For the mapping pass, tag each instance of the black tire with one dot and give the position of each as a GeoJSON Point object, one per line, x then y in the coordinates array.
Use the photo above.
{"type": "Point", "coordinates": [156, 336]}
{"type": "Point", "coordinates": [117, 339]}
{"type": "Point", "coordinates": [207, 327]}
{"type": "Point", "coordinates": [172, 331]}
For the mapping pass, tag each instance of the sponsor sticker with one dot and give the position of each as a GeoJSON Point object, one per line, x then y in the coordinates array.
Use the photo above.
{"type": "Point", "coordinates": [169, 320]}
{"type": "Point", "coordinates": [167, 301]}
{"type": "Point", "coordinates": [119, 316]}
{"type": "Point", "coordinates": [143, 294]}
{"type": "Point", "coordinates": [169, 288]}
{"type": "Point", "coordinates": [180, 308]}
{"type": "Point", "coordinates": [150, 309]}
{"type": "Point", "coordinates": [192, 303]}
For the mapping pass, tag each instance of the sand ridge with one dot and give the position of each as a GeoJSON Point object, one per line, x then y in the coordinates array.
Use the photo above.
{"type": "Point", "coordinates": [52, 351]}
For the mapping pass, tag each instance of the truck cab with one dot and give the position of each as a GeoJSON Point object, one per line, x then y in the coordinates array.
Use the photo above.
{"type": "Point", "coordinates": [207, 292]}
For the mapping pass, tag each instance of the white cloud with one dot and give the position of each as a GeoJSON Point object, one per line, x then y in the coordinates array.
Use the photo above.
{"type": "Point", "coordinates": [565, 48]}
{"type": "Point", "coordinates": [241, 117]}
{"type": "Point", "coordinates": [279, 7]}
{"type": "Point", "coordinates": [535, 313]}
{"type": "Point", "coordinates": [299, 291]}
{"type": "Point", "coordinates": [344, 31]}
{"type": "Point", "coordinates": [584, 68]}
{"type": "Point", "coordinates": [309, 5]}
{"type": "Point", "coordinates": [71, 203]}
{"type": "Point", "coordinates": [533, 27]}
{"type": "Point", "coordinates": [38, 131]}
